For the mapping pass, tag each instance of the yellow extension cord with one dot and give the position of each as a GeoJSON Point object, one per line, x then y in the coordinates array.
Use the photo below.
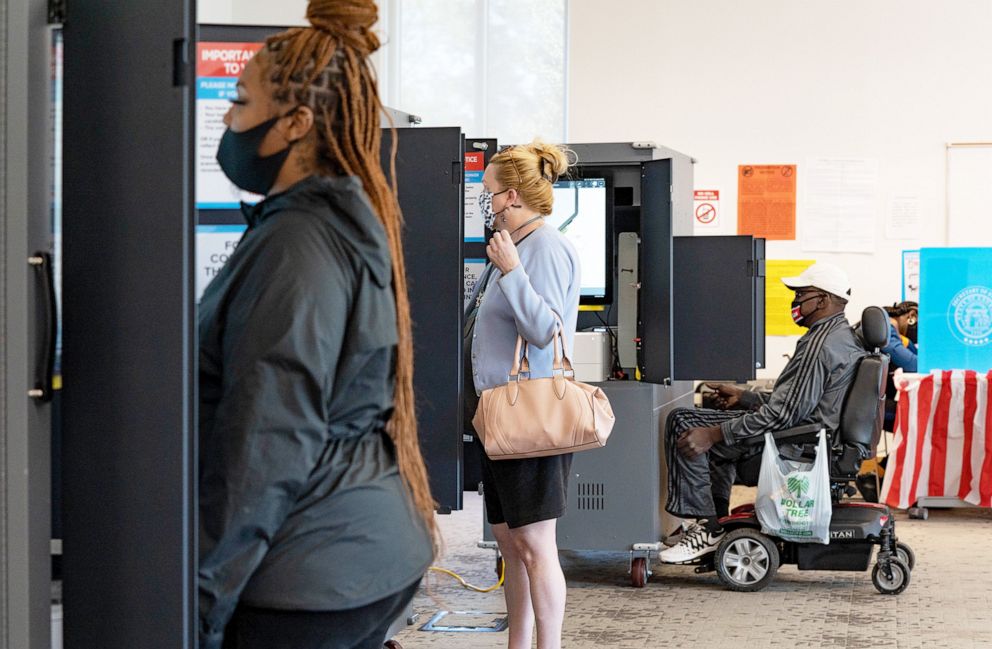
{"type": "Point", "coordinates": [464, 583]}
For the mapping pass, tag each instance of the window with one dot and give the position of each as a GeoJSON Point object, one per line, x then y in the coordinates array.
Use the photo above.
{"type": "Point", "coordinates": [496, 68]}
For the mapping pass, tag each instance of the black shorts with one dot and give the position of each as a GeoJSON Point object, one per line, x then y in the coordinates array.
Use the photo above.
{"type": "Point", "coordinates": [521, 492]}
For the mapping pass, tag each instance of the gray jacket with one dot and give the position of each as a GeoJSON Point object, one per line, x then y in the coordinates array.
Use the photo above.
{"type": "Point", "coordinates": [811, 388]}
{"type": "Point", "coordinates": [301, 499]}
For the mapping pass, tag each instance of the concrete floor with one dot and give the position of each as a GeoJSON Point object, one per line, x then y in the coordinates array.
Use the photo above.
{"type": "Point", "coordinates": [947, 605]}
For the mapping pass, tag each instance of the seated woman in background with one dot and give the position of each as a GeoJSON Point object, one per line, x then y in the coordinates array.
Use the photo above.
{"type": "Point", "coordinates": [901, 349]}
{"type": "Point", "coordinates": [902, 336]}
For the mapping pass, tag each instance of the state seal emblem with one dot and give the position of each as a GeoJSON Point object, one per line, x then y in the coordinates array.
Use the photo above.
{"type": "Point", "coordinates": [969, 316]}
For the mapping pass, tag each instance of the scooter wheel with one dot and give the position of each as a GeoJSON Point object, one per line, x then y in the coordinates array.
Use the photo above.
{"type": "Point", "coordinates": [906, 554]}
{"type": "Point", "coordinates": [891, 578]}
{"type": "Point", "coordinates": [746, 560]}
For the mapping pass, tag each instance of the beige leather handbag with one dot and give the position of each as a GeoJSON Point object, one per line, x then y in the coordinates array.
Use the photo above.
{"type": "Point", "coordinates": [537, 417]}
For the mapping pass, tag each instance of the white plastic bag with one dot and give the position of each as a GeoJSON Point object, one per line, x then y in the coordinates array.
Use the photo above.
{"type": "Point", "coordinates": [793, 502]}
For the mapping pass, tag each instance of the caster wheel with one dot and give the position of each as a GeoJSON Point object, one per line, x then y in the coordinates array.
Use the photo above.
{"type": "Point", "coordinates": [919, 513]}
{"type": "Point", "coordinates": [499, 567]}
{"type": "Point", "coordinates": [891, 578]}
{"type": "Point", "coordinates": [906, 555]}
{"type": "Point", "coordinates": [392, 644]}
{"type": "Point", "coordinates": [639, 572]}
{"type": "Point", "coordinates": [746, 560]}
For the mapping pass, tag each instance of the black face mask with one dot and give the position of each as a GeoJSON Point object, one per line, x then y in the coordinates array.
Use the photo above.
{"type": "Point", "coordinates": [239, 160]}
{"type": "Point", "coordinates": [797, 310]}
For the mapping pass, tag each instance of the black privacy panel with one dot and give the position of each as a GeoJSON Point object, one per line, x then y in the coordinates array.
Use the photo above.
{"type": "Point", "coordinates": [715, 314]}
{"type": "Point", "coordinates": [429, 179]}
{"type": "Point", "coordinates": [655, 297]}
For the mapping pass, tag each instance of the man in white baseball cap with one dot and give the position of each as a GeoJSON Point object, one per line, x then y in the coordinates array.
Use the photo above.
{"type": "Point", "coordinates": [703, 447]}
{"type": "Point", "coordinates": [820, 277]}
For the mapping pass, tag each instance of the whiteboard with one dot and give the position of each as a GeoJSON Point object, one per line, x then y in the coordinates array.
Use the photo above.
{"type": "Point", "coordinates": [969, 195]}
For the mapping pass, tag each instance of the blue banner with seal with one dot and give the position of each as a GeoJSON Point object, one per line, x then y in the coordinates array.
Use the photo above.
{"type": "Point", "coordinates": [955, 329]}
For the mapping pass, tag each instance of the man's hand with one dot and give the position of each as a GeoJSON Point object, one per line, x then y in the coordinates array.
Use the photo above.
{"type": "Point", "coordinates": [696, 441]}
{"type": "Point", "coordinates": [503, 252]}
{"type": "Point", "coordinates": [727, 397]}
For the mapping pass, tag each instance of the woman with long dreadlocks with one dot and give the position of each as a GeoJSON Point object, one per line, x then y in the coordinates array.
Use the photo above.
{"type": "Point", "coordinates": [316, 520]}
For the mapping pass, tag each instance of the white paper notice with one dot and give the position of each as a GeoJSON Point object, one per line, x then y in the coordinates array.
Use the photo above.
{"type": "Point", "coordinates": [706, 208]}
{"type": "Point", "coordinates": [214, 245]}
{"type": "Point", "coordinates": [473, 269]}
{"type": "Point", "coordinates": [911, 275]}
{"type": "Point", "coordinates": [840, 207]}
{"type": "Point", "coordinates": [903, 218]}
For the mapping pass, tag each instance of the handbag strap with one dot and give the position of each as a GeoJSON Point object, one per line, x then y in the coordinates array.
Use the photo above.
{"type": "Point", "coordinates": [561, 362]}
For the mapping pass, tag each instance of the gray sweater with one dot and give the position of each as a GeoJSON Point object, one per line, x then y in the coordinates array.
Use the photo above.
{"type": "Point", "coordinates": [525, 301]}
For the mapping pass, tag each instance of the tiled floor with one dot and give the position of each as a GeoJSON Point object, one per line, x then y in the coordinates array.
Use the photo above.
{"type": "Point", "coordinates": [947, 605]}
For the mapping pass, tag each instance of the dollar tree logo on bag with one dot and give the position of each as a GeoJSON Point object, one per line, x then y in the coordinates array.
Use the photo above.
{"type": "Point", "coordinates": [796, 502]}
{"type": "Point", "coordinates": [798, 485]}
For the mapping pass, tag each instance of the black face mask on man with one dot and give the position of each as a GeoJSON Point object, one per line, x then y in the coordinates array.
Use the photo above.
{"type": "Point", "coordinates": [239, 160]}
{"type": "Point", "coordinates": [797, 310]}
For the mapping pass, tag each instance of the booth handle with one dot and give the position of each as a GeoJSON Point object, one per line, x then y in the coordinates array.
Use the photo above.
{"type": "Point", "coordinates": [45, 359]}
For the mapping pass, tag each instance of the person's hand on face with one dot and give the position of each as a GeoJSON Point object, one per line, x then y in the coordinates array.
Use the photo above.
{"type": "Point", "coordinates": [503, 252]}
{"type": "Point", "coordinates": [696, 441]}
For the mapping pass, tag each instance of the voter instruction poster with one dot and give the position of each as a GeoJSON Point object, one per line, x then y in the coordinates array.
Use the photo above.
{"type": "Point", "coordinates": [218, 66]}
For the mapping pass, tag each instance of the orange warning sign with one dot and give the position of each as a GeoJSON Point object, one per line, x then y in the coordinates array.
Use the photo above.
{"type": "Point", "coordinates": [766, 201]}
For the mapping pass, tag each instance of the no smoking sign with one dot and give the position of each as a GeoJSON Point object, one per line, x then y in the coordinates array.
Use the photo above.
{"type": "Point", "coordinates": [706, 207]}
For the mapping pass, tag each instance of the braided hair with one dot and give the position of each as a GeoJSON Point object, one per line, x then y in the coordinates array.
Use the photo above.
{"type": "Point", "coordinates": [902, 308]}
{"type": "Point", "coordinates": [326, 67]}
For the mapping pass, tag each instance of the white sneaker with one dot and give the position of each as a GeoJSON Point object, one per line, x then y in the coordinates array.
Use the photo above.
{"type": "Point", "coordinates": [677, 534]}
{"type": "Point", "coordinates": [696, 542]}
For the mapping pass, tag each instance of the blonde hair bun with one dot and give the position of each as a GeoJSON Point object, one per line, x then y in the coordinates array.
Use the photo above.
{"type": "Point", "coordinates": [556, 159]}
{"type": "Point", "coordinates": [350, 21]}
{"type": "Point", "coordinates": [532, 169]}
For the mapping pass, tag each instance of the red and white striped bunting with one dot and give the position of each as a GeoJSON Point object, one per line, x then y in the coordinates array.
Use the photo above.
{"type": "Point", "coordinates": [943, 439]}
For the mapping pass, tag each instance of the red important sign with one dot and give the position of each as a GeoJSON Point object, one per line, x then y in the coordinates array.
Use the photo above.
{"type": "Point", "coordinates": [475, 162]}
{"type": "Point", "coordinates": [223, 59]}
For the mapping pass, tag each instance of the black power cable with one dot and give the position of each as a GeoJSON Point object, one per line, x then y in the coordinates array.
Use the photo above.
{"type": "Point", "coordinates": [616, 371]}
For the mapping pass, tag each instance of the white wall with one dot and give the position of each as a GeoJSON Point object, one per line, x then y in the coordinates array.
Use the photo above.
{"type": "Point", "coordinates": [779, 81]}
{"type": "Point", "coordinates": [252, 12]}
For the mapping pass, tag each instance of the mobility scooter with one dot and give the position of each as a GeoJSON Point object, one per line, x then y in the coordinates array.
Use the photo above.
{"type": "Point", "coordinates": [746, 559]}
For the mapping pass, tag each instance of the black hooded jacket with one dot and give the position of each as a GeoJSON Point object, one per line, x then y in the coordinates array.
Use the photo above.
{"type": "Point", "coordinates": [301, 502]}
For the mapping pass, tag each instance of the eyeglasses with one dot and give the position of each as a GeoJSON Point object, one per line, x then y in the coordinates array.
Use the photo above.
{"type": "Point", "coordinates": [804, 292]}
